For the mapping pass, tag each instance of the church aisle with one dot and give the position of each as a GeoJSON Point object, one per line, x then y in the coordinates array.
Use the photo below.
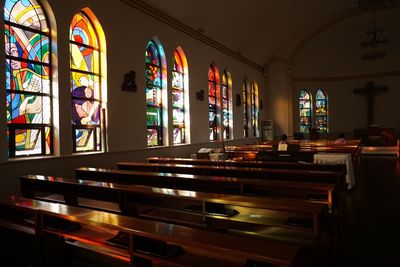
{"type": "Point", "coordinates": [372, 231]}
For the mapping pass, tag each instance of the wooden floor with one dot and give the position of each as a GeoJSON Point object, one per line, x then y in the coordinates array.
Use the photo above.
{"type": "Point", "coordinates": [372, 233]}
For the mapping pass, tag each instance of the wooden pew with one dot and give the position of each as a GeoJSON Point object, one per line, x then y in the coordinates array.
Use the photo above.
{"type": "Point", "coordinates": [178, 205]}
{"type": "Point", "coordinates": [318, 192]}
{"type": "Point", "coordinates": [313, 176]}
{"type": "Point", "coordinates": [306, 152]}
{"type": "Point", "coordinates": [91, 230]}
{"type": "Point", "coordinates": [317, 176]}
{"type": "Point", "coordinates": [251, 164]}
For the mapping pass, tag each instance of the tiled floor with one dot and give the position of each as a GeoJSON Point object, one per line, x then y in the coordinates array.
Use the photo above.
{"type": "Point", "coordinates": [371, 236]}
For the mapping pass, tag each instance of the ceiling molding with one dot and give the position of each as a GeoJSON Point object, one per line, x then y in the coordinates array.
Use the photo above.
{"type": "Point", "coordinates": [178, 25]}
{"type": "Point", "coordinates": [347, 77]}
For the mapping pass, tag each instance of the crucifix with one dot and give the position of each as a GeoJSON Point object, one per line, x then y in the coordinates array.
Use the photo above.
{"type": "Point", "coordinates": [370, 91]}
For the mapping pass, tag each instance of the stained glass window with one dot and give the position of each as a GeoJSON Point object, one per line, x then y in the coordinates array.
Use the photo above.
{"type": "Point", "coordinates": [254, 108]}
{"type": "Point", "coordinates": [154, 85]}
{"type": "Point", "coordinates": [178, 97]}
{"type": "Point", "coordinates": [245, 109]}
{"type": "Point", "coordinates": [321, 111]}
{"type": "Point", "coordinates": [213, 99]}
{"type": "Point", "coordinates": [28, 79]}
{"type": "Point", "coordinates": [226, 89]}
{"type": "Point", "coordinates": [305, 111]}
{"type": "Point", "coordinates": [85, 84]}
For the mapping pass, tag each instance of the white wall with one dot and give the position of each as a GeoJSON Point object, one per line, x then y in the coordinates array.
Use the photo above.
{"type": "Point", "coordinates": [127, 32]}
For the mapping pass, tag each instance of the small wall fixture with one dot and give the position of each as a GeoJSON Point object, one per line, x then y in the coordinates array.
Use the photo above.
{"type": "Point", "coordinates": [129, 83]}
{"type": "Point", "coordinates": [200, 95]}
{"type": "Point", "coordinates": [238, 100]}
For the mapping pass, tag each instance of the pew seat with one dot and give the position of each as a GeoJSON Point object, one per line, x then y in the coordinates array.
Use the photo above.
{"type": "Point", "coordinates": [316, 192]}
{"type": "Point", "coordinates": [150, 202]}
{"type": "Point", "coordinates": [95, 228]}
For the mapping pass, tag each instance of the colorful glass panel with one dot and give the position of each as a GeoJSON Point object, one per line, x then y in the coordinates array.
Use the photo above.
{"type": "Point", "coordinates": [179, 135]}
{"type": "Point", "coordinates": [152, 54]}
{"type": "Point", "coordinates": [226, 105]}
{"type": "Point", "coordinates": [245, 109]}
{"type": "Point", "coordinates": [321, 111]}
{"type": "Point", "coordinates": [85, 84]}
{"type": "Point", "coordinates": [177, 80]}
{"type": "Point", "coordinates": [92, 82]}
{"type": "Point", "coordinates": [153, 96]}
{"type": "Point", "coordinates": [85, 59]}
{"type": "Point", "coordinates": [153, 76]}
{"type": "Point", "coordinates": [27, 13]}
{"type": "Point", "coordinates": [84, 139]}
{"type": "Point", "coordinates": [178, 117]}
{"type": "Point", "coordinates": [83, 32]}
{"type": "Point", "coordinates": [178, 98]}
{"type": "Point", "coordinates": [28, 79]}
{"type": "Point", "coordinates": [254, 108]}
{"type": "Point", "coordinates": [178, 93]}
{"type": "Point", "coordinates": [212, 103]}
{"type": "Point", "coordinates": [152, 137]}
{"type": "Point", "coordinates": [26, 44]}
{"type": "Point", "coordinates": [153, 116]}
{"type": "Point", "coordinates": [28, 140]}
{"type": "Point", "coordinates": [305, 111]}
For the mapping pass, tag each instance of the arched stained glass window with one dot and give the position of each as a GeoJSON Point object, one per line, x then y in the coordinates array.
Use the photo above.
{"type": "Point", "coordinates": [305, 111]}
{"type": "Point", "coordinates": [28, 79]}
{"type": "Point", "coordinates": [213, 101]}
{"type": "Point", "coordinates": [245, 100]}
{"type": "Point", "coordinates": [254, 108]}
{"type": "Point", "coordinates": [321, 111]}
{"type": "Point", "coordinates": [179, 93]}
{"type": "Point", "coordinates": [155, 79]}
{"type": "Point", "coordinates": [85, 82]}
{"type": "Point", "coordinates": [226, 88]}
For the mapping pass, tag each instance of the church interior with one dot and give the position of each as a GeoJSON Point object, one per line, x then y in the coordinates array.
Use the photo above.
{"type": "Point", "coordinates": [200, 133]}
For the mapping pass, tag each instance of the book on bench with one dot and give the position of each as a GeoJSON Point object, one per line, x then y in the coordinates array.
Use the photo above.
{"type": "Point", "coordinates": [155, 247]}
{"type": "Point", "coordinates": [120, 240]}
{"type": "Point", "coordinates": [216, 209]}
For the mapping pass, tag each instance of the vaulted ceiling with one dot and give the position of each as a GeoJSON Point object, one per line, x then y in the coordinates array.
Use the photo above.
{"type": "Point", "coordinates": [258, 29]}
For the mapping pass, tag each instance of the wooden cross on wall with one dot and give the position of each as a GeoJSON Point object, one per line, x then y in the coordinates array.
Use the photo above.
{"type": "Point", "coordinates": [370, 91]}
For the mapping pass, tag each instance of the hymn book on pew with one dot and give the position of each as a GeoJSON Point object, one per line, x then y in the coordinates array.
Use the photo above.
{"type": "Point", "coordinates": [214, 209]}
{"type": "Point", "coordinates": [155, 247]}
{"type": "Point", "coordinates": [120, 240]}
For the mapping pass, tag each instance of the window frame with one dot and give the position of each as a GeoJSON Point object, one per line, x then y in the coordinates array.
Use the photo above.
{"type": "Point", "coordinates": [181, 91]}
{"type": "Point", "coordinates": [310, 102]}
{"type": "Point", "coordinates": [213, 108]}
{"type": "Point", "coordinates": [97, 129]}
{"type": "Point", "coordinates": [13, 127]}
{"type": "Point", "coordinates": [245, 105]}
{"type": "Point", "coordinates": [317, 116]}
{"type": "Point", "coordinates": [158, 127]}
